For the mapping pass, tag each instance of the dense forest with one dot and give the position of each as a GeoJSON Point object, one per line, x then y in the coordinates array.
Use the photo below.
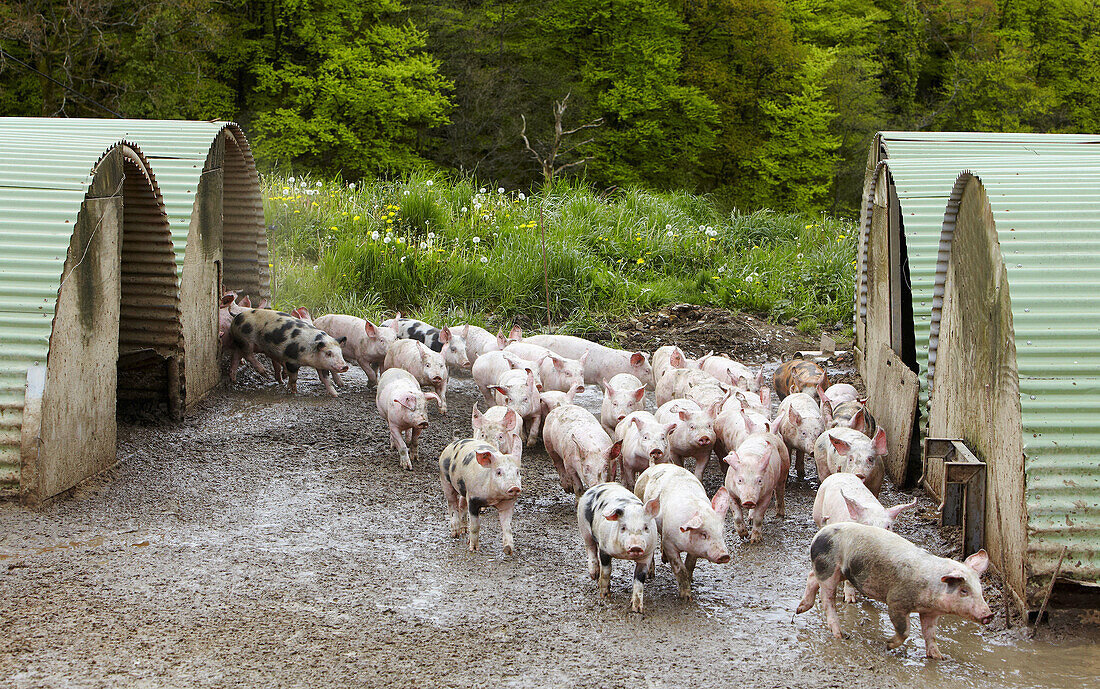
{"type": "Point", "coordinates": [762, 103]}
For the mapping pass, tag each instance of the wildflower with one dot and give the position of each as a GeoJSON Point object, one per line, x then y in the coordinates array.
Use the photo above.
{"type": "Point", "coordinates": [500, 190]}
{"type": "Point", "coordinates": [841, 236]}
{"type": "Point", "coordinates": [374, 235]}
{"type": "Point", "coordinates": [302, 185]}
{"type": "Point", "coordinates": [318, 184]}
{"type": "Point", "coordinates": [748, 278]}
{"type": "Point", "coordinates": [484, 260]}
{"type": "Point", "coordinates": [800, 257]}
{"type": "Point", "coordinates": [402, 260]}
{"type": "Point", "coordinates": [431, 235]}
{"type": "Point", "coordinates": [640, 261]}
{"type": "Point", "coordinates": [809, 226]}
{"type": "Point", "coordinates": [481, 190]}
{"type": "Point", "coordinates": [270, 265]}
{"type": "Point", "coordinates": [429, 183]}
{"type": "Point", "coordinates": [522, 196]}
{"type": "Point", "coordinates": [291, 180]}
{"type": "Point", "coordinates": [344, 213]}
{"type": "Point", "coordinates": [715, 277]}
{"type": "Point", "coordinates": [423, 245]}
{"type": "Point", "coordinates": [313, 204]}
{"type": "Point", "coordinates": [387, 239]}
{"type": "Point", "coordinates": [400, 240]}
{"type": "Point", "coordinates": [464, 209]}
{"type": "Point", "coordinates": [286, 188]}
{"type": "Point", "coordinates": [669, 227]}
{"type": "Point", "coordinates": [351, 185]}
{"type": "Point", "coordinates": [334, 228]}
{"type": "Point", "coordinates": [405, 193]}
{"type": "Point", "coordinates": [355, 218]}
{"type": "Point", "coordinates": [669, 233]}
{"type": "Point", "coordinates": [702, 228]}
{"type": "Point", "coordinates": [297, 211]}
{"type": "Point", "coordinates": [476, 240]}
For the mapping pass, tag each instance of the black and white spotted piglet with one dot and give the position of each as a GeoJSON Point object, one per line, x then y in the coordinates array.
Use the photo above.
{"type": "Point", "coordinates": [474, 474]}
{"type": "Point", "coordinates": [289, 341]}
{"type": "Point", "coordinates": [449, 342]}
{"type": "Point", "coordinates": [615, 523]}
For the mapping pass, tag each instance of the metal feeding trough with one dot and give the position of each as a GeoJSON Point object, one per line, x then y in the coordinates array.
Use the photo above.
{"type": "Point", "coordinates": [957, 478]}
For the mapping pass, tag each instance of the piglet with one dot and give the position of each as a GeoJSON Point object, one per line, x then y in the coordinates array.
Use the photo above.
{"type": "Point", "coordinates": [735, 424]}
{"type": "Point", "coordinates": [500, 427]}
{"type": "Point", "coordinates": [581, 450]}
{"type": "Point", "coordinates": [443, 340]}
{"type": "Point", "coordinates": [692, 436]}
{"type": "Point", "coordinates": [622, 395]}
{"type": "Point", "coordinates": [688, 522]}
{"type": "Point", "coordinates": [479, 340]}
{"type": "Point", "coordinates": [518, 390]}
{"type": "Point", "coordinates": [645, 443]}
{"type": "Point", "coordinates": [837, 393]}
{"type": "Point", "coordinates": [733, 372]}
{"type": "Point", "coordinates": [290, 342]}
{"type": "Point", "coordinates": [847, 450]}
{"type": "Point", "coordinates": [757, 472]}
{"type": "Point", "coordinates": [851, 415]}
{"type": "Point", "coordinates": [614, 523]}
{"type": "Point", "coordinates": [886, 567]}
{"type": "Point", "coordinates": [404, 408]}
{"type": "Point", "coordinates": [474, 475]}
{"type": "Point", "coordinates": [843, 498]}
{"type": "Point", "coordinates": [365, 343]}
{"type": "Point", "coordinates": [799, 375]}
{"type": "Point", "coordinates": [557, 372]}
{"type": "Point", "coordinates": [490, 366]}
{"type": "Point", "coordinates": [427, 366]}
{"type": "Point", "coordinates": [799, 421]}
{"type": "Point", "coordinates": [669, 358]}
{"type": "Point", "coordinates": [553, 399]}
{"type": "Point", "coordinates": [602, 362]}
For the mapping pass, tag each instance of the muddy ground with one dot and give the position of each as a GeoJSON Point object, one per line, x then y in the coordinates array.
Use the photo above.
{"type": "Point", "coordinates": [273, 541]}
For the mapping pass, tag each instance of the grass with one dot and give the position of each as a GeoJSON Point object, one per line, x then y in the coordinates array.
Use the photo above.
{"type": "Point", "coordinates": [447, 250]}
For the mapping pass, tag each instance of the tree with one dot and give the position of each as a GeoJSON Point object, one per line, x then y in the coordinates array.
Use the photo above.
{"type": "Point", "coordinates": [551, 167]}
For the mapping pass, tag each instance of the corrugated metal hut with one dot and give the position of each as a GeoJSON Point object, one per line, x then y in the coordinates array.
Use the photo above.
{"type": "Point", "coordinates": [1014, 357]}
{"type": "Point", "coordinates": [909, 180]}
{"type": "Point", "coordinates": [203, 215]}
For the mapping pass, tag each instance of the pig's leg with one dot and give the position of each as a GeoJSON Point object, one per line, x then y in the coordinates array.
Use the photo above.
{"type": "Point", "coordinates": [689, 565]}
{"type": "Point", "coordinates": [233, 364]}
{"type": "Point", "coordinates": [899, 616]}
{"type": "Point", "coordinates": [628, 477]}
{"type": "Point", "coordinates": [414, 442]}
{"type": "Point", "coordinates": [683, 577]}
{"type": "Point", "coordinates": [486, 393]}
{"type": "Point", "coordinates": [701, 464]}
{"type": "Point", "coordinates": [337, 379]}
{"type": "Point", "coordinates": [593, 550]}
{"type": "Point", "coordinates": [474, 515]}
{"type": "Point", "coordinates": [810, 596]}
{"type": "Point", "coordinates": [442, 392]}
{"type": "Point", "coordinates": [559, 466]}
{"type": "Point", "coordinates": [276, 370]}
{"type": "Point", "coordinates": [504, 513]}
{"type": "Point", "coordinates": [462, 507]}
{"type": "Point", "coordinates": [828, 593]}
{"type": "Point", "coordinates": [651, 572]}
{"type": "Point", "coordinates": [453, 510]}
{"type": "Point", "coordinates": [800, 464]}
{"type": "Point", "coordinates": [738, 518]}
{"type": "Point", "coordinates": [292, 378]}
{"type": "Point", "coordinates": [327, 378]}
{"type": "Point", "coordinates": [758, 519]}
{"type": "Point", "coordinates": [928, 622]}
{"type": "Point", "coordinates": [397, 438]}
{"type": "Point", "coordinates": [371, 371]}
{"type": "Point", "coordinates": [533, 436]}
{"type": "Point", "coordinates": [604, 583]}
{"type": "Point", "coordinates": [641, 569]}
{"type": "Point", "coordinates": [849, 592]}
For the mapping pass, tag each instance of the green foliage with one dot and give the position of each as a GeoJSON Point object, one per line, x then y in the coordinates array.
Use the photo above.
{"type": "Point", "coordinates": [451, 251]}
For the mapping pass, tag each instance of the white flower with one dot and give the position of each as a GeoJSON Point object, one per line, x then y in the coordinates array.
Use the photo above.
{"type": "Point", "coordinates": [669, 233]}
{"type": "Point", "coordinates": [464, 209]}
{"type": "Point", "coordinates": [702, 227]}
{"type": "Point", "coordinates": [431, 235]}
{"type": "Point", "coordinates": [374, 235]}
{"type": "Point", "coordinates": [291, 180]}
{"type": "Point", "coordinates": [484, 260]}
{"type": "Point", "coordinates": [400, 240]}
{"type": "Point", "coordinates": [668, 227]}
{"type": "Point", "coordinates": [402, 260]}
{"type": "Point", "coordinates": [318, 184]}
{"type": "Point", "coordinates": [351, 185]}
{"type": "Point", "coordinates": [800, 256]}
{"type": "Point", "coordinates": [423, 245]}
{"type": "Point", "coordinates": [500, 190]}
{"type": "Point", "coordinates": [481, 190]}
{"type": "Point", "coordinates": [429, 183]}
{"type": "Point", "coordinates": [405, 193]}
{"type": "Point", "coordinates": [522, 196]}
{"type": "Point", "coordinates": [476, 240]}
{"type": "Point", "coordinates": [286, 188]}
{"type": "Point", "coordinates": [386, 239]}
{"type": "Point", "coordinates": [302, 185]}
{"type": "Point", "coordinates": [748, 278]}
{"type": "Point", "coordinates": [712, 232]}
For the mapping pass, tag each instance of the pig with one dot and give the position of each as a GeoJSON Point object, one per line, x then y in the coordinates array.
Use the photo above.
{"type": "Point", "coordinates": [443, 340]}
{"type": "Point", "coordinates": [799, 421]}
{"type": "Point", "coordinates": [553, 399]}
{"type": "Point", "coordinates": [735, 373]}
{"type": "Point", "coordinates": [836, 393]}
{"type": "Point", "coordinates": [672, 380]}
{"type": "Point", "coordinates": [490, 366]}
{"type": "Point", "coordinates": [669, 358]}
{"type": "Point", "coordinates": [426, 366]}
{"type": "Point", "coordinates": [735, 424]}
{"type": "Point", "coordinates": [852, 415]}
{"type": "Point", "coordinates": [479, 340]}
{"type": "Point", "coordinates": [757, 472]}
{"type": "Point", "coordinates": [693, 435]}
{"type": "Point", "coordinates": [885, 567]}
{"type": "Point", "coordinates": [602, 362]}
{"type": "Point", "coordinates": [500, 427]}
{"type": "Point", "coordinates": [366, 343]}
{"type": "Point", "coordinates": [799, 375]}
{"type": "Point", "coordinates": [518, 390]}
{"type": "Point", "coordinates": [581, 450]}
{"type": "Point", "coordinates": [693, 384]}
{"type": "Point", "coordinates": [622, 395]}
{"type": "Point", "coordinates": [687, 521]}
{"type": "Point", "coordinates": [288, 341]}
{"type": "Point", "coordinates": [474, 474]}
{"type": "Point", "coordinates": [227, 309]}
{"type": "Point", "coordinates": [557, 372]}
{"type": "Point", "coordinates": [404, 408]}
{"type": "Point", "coordinates": [615, 523]}
{"type": "Point", "coordinates": [645, 443]}
{"type": "Point", "coordinates": [846, 450]}
{"type": "Point", "coordinates": [759, 402]}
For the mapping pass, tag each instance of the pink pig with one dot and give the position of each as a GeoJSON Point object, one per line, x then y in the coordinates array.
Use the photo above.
{"type": "Point", "coordinates": [366, 343]}
{"type": "Point", "coordinates": [581, 450]}
{"type": "Point", "coordinates": [404, 408]}
{"type": "Point", "coordinates": [757, 472]}
{"type": "Point", "coordinates": [426, 366]}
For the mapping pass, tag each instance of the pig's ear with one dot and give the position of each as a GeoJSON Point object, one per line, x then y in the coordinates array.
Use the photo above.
{"type": "Point", "coordinates": [639, 394]}
{"type": "Point", "coordinates": [827, 413]}
{"type": "Point", "coordinates": [396, 323]}
{"type": "Point", "coordinates": [476, 418]}
{"type": "Point", "coordinates": [820, 388]}
{"type": "Point", "coordinates": [842, 446]}
{"type": "Point", "coordinates": [696, 522]}
{"type": "Point", "coordinates": [501, 342]}
{"type": "Point", "coordinates": [676, 359]}
{"type": "Point", "coordinates": [716, 408]}
{"type": "Point", "coordinates": [653, 507]}
{"type": "Point", "coordinates": [408, 401]}
{"type": "Point", "coordinates": [978, 562]}
{"type": "Point", "coordinates": [721, 501]}
{"type": "Point", "coordinates": [516, 333]}
{"type": "Point", "coordinates": [584, 357]}
{"type": "Point", "coordinates": [484, 458]}
{"type": "Point", "coordinates": [558, 362]}
{"type": "Point", "coordinates": [445, 334]}
{"type": "Point", "coordinates": [637, 359]}
{"type": "Point", "coordinates": [670, 428]}
{"type": "Point", "coordinates": [760, 381]}
{"type": "Point", "coordinates": [228, 299]}
{"type": "Point", "coordinates": [370, 328]}
{"type": "Point", "coordinates": [684, 414]}
{"type": "Point", "coordinates": [499, 388]}
{"type": "Point", "coordinates": [466, 331]}
{"type": "Point", "coordinates": [894, 511]}
{"type": "Point", "coordinates": [531, 381]}
{"type": "Point", "coordinates": [731, 458]}
{"type": "Point", "coordinates": [511, 420]}
{"type": "Point", "coordinates": [246, 302]}
{"type": "Point", "coordinates": [435, 397]}
{"type": "Point", "coordinates": [748, 422]}
{"type": "Point", "coordinates": [606, 388]}
{"type": "Point", "coordinates": [765, 396]}
{"type": "Point", "coordinates": [859, 421]}
{"type": "Point", "coordinates": [637, 421]}
{"type": "Point", "coordinates": [879, 442]}
{"type": "Point", "coordinates": [854, 508]}
{"type": "Point", "coordinates": [767, 426]}
{"type": "Point", "coordinates": [612, 514]}
{"type": "Point", "coordinates": [794, 416]}
{"type": "Point", "coordinates": [616, 450]}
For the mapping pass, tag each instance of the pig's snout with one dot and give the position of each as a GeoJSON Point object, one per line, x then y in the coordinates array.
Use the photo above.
{"type": "Point", "coordinates": [986, 619]}
{"type": "Point", "coordinates": [467, 365]}
{"type": "Point", "coordinates": [656, 454]}
{"type": "Point", "coordinates": [437, 380]}
{"type": "Point", "coordinates": [704, 440]}
{"type": "Point", "coordinates": [422, 424]}
{"type": "Point", "coordinates": [620, 417]}
{"type": "Point", "coordinates": [342, 369]}
{"type": "Point", "coordinates": [723, 558]}
{"type": "Point", "coordinates": [862, 476]}
{"type": "Point", "coordinates": [635, 551]}
{"type": "Point", "coordinates": [514, 490]}
{"type": "Point", "coordinates": [748, 504]}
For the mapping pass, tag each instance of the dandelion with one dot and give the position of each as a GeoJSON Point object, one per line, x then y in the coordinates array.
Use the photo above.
{"type": "Point", "coordinates": [318, 184]}
{"type": "Point", "coordinates": [799, 257]}
{"type": "Point", "coordinates": [748, 278]}
{"type": "Point", "coordinates": [841, 236]}
{"type": "Point", "coordinates": [286, 189]}
{"type": "Point", "coordinates": [669, 233]}
{"type": "Point", "coordinates": [500, 190]}
{"type": "Point", "coordinates": [374, 235]}
{"type": "Point", "coordinates": [702, 228]}
{"type": "Point", "coordinates": [809, 226]}
{"type": "Point", "coordinates": [669, 227]}
{"type": "Point", "coordinates": [344, 213]}
{"type": "Point", "coordinates": [484, 260]}
{"type": "Point", "coordinates": [314, 204]}
{"type": "Point", "coordinates": [429, 183]}
{"type": "Point", "coordinates": [291, 180]}
{"type": "Point", "coordinates": [640, 261]}
{"type": "Point", "coordinates": [431, 235]}
{"type": "Point", "coordinates": [351, 185]}
{"type": "Point", "coordinates": [405, 193]}
{"type": "Point", "coordinates": [481, 190]}
{"type": "Point", "coordinates": [476, 240]}
{"type": "Point", "coordinates": [423, 245]}
{"type": "Point", "coordinates": [334, 228]}
{"type": "Point", "coordinates": [402, 259]}
{"type": "Point", "coordinates": [355, 218]}
{"type": "Point", "coordinates": [302, 185]}
{"type": "Point", "coordinates": [400, 240]}
{"type": "Point", "coordinates": [464, 209]}
{"type": "Point", "coordinates": [387, 239]}
{"type": "Point", "coordinates": [522, 196]}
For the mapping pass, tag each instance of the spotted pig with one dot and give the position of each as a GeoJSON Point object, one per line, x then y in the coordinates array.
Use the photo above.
{"type": "Point", "coordinates": [615, 523]}
{"type": "Point", "coordinates": [799, 376]}
{"type": "Point", "coordinates": [289, 341]}
{"type": "Point", "coordinates": [474, 475]}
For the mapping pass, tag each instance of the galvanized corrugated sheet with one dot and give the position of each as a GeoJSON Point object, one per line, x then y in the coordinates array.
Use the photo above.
{"type": "Point", "coordinates": [1048, 225]}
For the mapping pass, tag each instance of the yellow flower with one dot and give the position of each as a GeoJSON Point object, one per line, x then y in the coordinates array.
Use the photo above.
{"type": "Point", "coordinates": [314, 203]}
{"type": "Point", "coordinates": [842, 236]}
{"type": "Point", "coordinates": [334, 228]}
{"type": "Point", "coordinates": [355, 218]}
{"type": "Point", "coordinates": [297, 211]}
{"type": "Point", "coordinates": [712, 239]}
{"type": "Point", "coordinates": [344, 213]}
{"type": "Point", "coordinates": [640, 261]}
{"type": "Point", "coordinates": [270, 265]}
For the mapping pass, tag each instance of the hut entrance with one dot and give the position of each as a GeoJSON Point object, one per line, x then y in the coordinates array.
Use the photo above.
{"type": "Point", "coordinates": [150, 340]}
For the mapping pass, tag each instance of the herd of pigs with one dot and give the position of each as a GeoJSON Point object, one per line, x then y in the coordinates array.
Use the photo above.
{"type": "Point", "coordinates": [627, 468]}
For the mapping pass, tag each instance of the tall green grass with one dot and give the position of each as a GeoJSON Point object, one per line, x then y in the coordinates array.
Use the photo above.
{"type": "Point", "coordinates": [446, 250]}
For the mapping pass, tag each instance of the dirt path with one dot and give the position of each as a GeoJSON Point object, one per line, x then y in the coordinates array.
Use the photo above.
{"type": "Point", "coordinates": [273, 541]}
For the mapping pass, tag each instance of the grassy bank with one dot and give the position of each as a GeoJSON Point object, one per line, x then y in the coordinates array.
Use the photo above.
{"type": "Point", "coordinates": [446, 250]}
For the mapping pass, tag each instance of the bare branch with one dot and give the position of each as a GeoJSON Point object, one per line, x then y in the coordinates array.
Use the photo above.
{"type": "Point", "coordinates": [594, 123]}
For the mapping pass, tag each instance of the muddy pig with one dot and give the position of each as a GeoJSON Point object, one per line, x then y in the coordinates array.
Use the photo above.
{"type": "Point", "coordinates": [852, 415]}
{"type": "Point", "coordinates": [602, 362]}
{"type": "Point", "coordinates": [843, 498]}
{"type": "Point", "coordinates": [518, 390]}
{"type": "Point", "coordinates": [645, 443]}
{"type": "Point", "coordinates": [557, 372]}
{"type": "Point", "coordinates": [474, 475]}
{"type": "Point", "coordinates": [500, 427]}
{"type": "Point", "coordinates": [846, 450]}
{"type": "Point", "coordinates": [404, 408]}
{"type": "Point", "coordinates": [366, 343]}
{"type": "Point", "coordinates": [667, 359]}
{"type": "Point", "coordinates": [687, 521]}
{"type": "Point", "coordinates": [443, 340]}
{"type": "Point", "coordinates": [757, 472]}
{"type": "Point", "coordinates": [427, 366]}
{"type": "Point", "coordinates": [885, 567]}
{"type": "Point", "coordinates": [693, 435]}
{"type": "Point", "coordinates": [615, 523]}
{"type": "Point", "coordinates": [288, 341]}
{"type": "Point", "coordinates": [490, 366]}
{"type": "Point", "coordinates": [622, 395]}
{"type": "Point", "coordinates": [799, 375]}
{"type": "Point", "coordinates": [836, 394]}
{"type": "Point", "coordinates": [800, 422]}
{"type": "Point", "coordinates": [581, 450]}
{"type": "Point", "coordinates": [735, 424]}
{"type": "Point", "coordinates": [553, 399]}
{"type": "Point", "coordinates": [733, 372]}
{"type": "Point", "coordinates": [479, 340]}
